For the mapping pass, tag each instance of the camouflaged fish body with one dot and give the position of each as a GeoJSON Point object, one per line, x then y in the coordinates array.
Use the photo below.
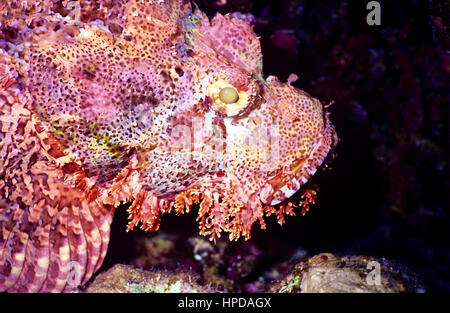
{"type": "Point", "coordinates": [157, 106]}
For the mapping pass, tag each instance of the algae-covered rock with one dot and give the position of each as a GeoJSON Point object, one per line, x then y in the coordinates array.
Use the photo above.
{"type": "Point", "coordinates": [222, 265]}
{"type": "Point", "coordinates": [328, 273]}
{"type": "Point", "coordinates": [127, 279]}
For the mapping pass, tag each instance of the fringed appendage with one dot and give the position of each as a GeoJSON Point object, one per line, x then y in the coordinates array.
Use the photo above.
{"type": "Point", "coordinates": [217, 212]}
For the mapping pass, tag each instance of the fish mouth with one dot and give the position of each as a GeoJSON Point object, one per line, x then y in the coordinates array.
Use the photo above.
{"type": "Point", "coordinates": [291, 178]}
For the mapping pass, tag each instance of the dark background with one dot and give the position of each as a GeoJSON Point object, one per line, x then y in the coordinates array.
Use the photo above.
{"type": "Point", "coordinates": [387, 193]}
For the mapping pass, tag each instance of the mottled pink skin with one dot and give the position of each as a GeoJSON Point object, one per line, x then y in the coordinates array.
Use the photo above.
{"type": "Point", "coordinates": [94, 116]}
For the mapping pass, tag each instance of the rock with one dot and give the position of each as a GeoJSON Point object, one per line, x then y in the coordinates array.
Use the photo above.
{"type": "Point", "coordinates": [328, 273]}
{"type": "Point", "coordinates": [127, 279]}
{"type": "Point", "coordinates": [222, 265]}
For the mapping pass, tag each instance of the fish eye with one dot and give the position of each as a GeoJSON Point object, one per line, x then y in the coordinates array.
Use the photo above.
{"type": "Point", "coordinates": [228, 95]}
{"type": "Point", "coordinates": [226, 98]}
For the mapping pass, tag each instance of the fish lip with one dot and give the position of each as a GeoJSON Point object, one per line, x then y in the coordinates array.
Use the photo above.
{"type": "Point", "coordinates": [325, 145]}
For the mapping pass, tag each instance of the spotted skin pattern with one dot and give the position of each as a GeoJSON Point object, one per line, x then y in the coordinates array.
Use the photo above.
{"type": "Point", "coordinates": [124, 105]}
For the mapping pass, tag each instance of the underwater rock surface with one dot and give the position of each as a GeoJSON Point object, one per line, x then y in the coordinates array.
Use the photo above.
{"type": "Point", "coordinates": [326, 273]}
{"type": "Point", "coordinates": [128, 279]}
{"type": "Point", "coordinates": [323, 273]}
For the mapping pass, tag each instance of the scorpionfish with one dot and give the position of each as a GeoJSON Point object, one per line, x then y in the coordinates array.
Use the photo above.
{"type": "Point", "coordinates": [146, 103]}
